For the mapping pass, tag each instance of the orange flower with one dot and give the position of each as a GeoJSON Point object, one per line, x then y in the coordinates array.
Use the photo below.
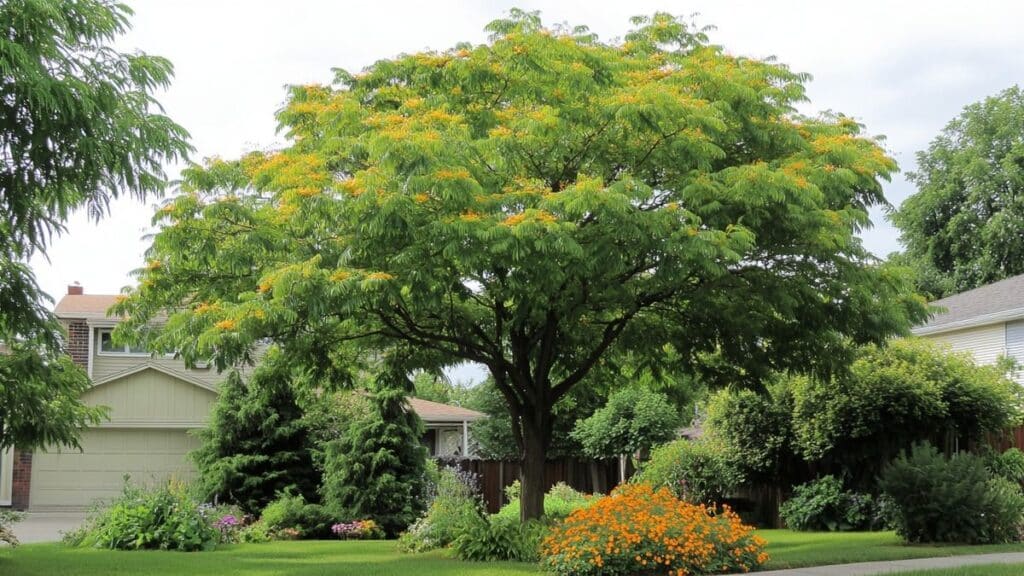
{"type": "Point", "coordinates": [225, 325]}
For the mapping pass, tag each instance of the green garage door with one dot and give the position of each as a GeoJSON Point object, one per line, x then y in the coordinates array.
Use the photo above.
{"type": "Point", "coordinates": [73, 479]}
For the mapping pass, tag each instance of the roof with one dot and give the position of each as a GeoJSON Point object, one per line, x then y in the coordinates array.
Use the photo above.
{"type": "Point", "coordinates": [993, 303]}
{"type": "Point", "coordinates": [87, 306]}
{"type": "Point", "coordinates": [437, 412]}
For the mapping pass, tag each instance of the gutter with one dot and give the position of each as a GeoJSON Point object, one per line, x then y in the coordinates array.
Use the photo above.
{"type": "Point", "coordinates": [983, 320]}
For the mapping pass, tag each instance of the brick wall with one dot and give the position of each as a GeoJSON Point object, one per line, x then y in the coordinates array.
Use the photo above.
{"type": "Point", "coordinates": [78, 342]}
{"type": "Point", "coordinates": [21, 479]}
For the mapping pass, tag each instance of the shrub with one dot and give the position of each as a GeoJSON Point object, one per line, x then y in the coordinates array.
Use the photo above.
{"type": "Point", "coordinates": [560, 501]}
{"type": "Point", "coordinates": [375, 470]}
{"type": "Point", "coordinates": [823, 505]}
{"type": "Point", "coordinates": [256, 533]}
{"type": "Point", "coordinates": [456, 504]}
{"type": "Point", "coordinates": [357, 530]}
{"type": "Point", "coordinates": [257, 443]}
{"type": "Point", "coordinates": [497, 538]}
{"type": "Point", "coordinates": [634, 420]}
{"type": "Point", "coordinates": [163, 518]}
{"type": "Point", "coordinates": [303, 520]}
{"type": "Point", "coordinates": [952, 500]}
{"type": "Point", "coordinates": [229, 526]}
{"type": "Point", "coordinates": [640, 530]}
{"type": "Point", "coordinates": [1009, 465]}
{"type": "Point", "coordinates": [698, 471]}
{"type": "Point", "coordinates": [7, 521]}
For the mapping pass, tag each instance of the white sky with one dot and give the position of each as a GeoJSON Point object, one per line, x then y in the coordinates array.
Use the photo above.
{"type": "Point", "coordinates": [903, 68]}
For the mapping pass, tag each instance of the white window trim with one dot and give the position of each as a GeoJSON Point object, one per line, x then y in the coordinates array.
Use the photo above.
{"type": "Point", "coordinates": [125, 354]}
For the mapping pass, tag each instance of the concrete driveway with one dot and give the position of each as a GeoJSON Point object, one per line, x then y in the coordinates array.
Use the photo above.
{"type": "Point", "coordinates": [46, 526]}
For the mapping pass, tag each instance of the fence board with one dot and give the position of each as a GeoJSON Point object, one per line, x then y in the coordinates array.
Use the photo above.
{"type": "Point", "coordinates": [587, 476]}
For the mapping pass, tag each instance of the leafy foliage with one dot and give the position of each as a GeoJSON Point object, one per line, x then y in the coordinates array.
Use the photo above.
{"type": "Point", "coordinates": [292, 512]}
{"type": "Point", "coordinates": [498, 538]}
{"type": "Point", "coordinates": [257, 443]}
{"type": "Point", "coordinates": [8, 519]}
{"type": "Point", "coordinates": [824, 505]}
{"type": "Point", "coordinates": [456, 505]}
{"type": "Point", "coordinates": [1008, 464]}
{"type": "Point", "coordinates": [79, 128]}
{"type": "Point", "coordinates": [638, 530]}
{"type": "Point", "coordinates": [560, 501]}
{"type": "Point", "coordinates": [166, 517]}
{"type": "Point", "coordinates": [634, 420]}
{"type": "Point", "coordinates": [754, 431]}
{"type": "Point", "coordinates": [535, 204]}
{"type": "Point", "coordinates": [952, 500]}
{"type": "Point", "coordinates": [375, 470]}
{"type": "Point", "coordinates": [962, 227]}
{"type": "Point", "coordinates": [908, 391]}
{"type": "Point", "coordinates": [696, 471]}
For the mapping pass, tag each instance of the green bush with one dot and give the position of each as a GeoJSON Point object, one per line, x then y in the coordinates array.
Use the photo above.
{"type": "Point", "coordinates": [1009, 465]}
{"type": "Point", "coordinates": [257, 444]}
{"type": "Point", "coordinates": [255, 533]}
{"type": "Point", "coordinates": [162, 518]}
{"type": "Point", "coordinates": [497, 538]}
{"type": "Point", "coordinates": [455, 505]}
{"type": "Point", "coordinates": [560, 501]}
{"type": "Point", "coordinates": [301, 520]}
{"type": "Point", "coordinates": [7, 521]}
{"type": "Point", "coordinates": [376, 469]}
{"type": "Point", "coordinates": [697, 471]}
{"type": "Point", "coordinates": [823, 505]}
{"type": "Point", "coordinates": [952, 500]}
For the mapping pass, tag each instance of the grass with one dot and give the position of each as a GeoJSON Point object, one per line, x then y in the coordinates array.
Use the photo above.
{"type": "Point", "coordinates": [983, 570]}
{"type": "Point", "coordinates": [790, 549]}
{"type": "Point", "coordinates": [379, 558]}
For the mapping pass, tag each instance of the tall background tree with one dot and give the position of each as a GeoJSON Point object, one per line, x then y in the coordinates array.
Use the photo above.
{"type": "Point", "coordinates": [78, 127]}
{"type": "Point", "coordinates": [964, 227]}
{"type": "Point", "coordinates": [538, 204]}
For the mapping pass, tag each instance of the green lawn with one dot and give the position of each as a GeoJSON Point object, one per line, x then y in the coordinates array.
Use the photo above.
{"type": "Point", "coordinates": [796, 549]}
{"type": "Point", "coordinates": [336, 558]}
{"type": "Point", "coordinates": [985, 570]}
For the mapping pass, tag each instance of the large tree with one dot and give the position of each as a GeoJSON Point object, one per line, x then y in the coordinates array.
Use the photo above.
{"type": "Point", "coordinates": [78, 126]}
{"type": "Point", "coordinates": [964, 227]}
{"type": "Point", "coordinates": [537, 204]}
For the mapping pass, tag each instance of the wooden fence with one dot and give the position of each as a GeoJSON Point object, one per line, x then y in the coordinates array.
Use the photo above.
{"type": "Point", "coordinates": [588, 476]}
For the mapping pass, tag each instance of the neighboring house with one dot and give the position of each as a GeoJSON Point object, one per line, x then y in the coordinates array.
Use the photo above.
{"type": "Point", "coordinates": [154, 402]}
{"type": "Point", "coordinates": [987, 322]}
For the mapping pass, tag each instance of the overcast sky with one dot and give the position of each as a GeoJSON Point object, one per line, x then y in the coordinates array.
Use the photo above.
{"type": "Point", "coordinates": [903, 68]}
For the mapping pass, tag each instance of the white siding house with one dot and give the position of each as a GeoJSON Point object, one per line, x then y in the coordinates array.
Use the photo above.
{"type": "Point", "coordinates": [987, 322]}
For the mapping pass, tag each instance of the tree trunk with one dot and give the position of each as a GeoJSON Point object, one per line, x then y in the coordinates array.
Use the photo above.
{"type": "Point", "coordinates": [535, 448]}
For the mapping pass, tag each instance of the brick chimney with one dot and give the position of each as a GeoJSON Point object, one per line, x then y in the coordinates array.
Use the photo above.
{"type": "Point", "coordinates": [78, 332]}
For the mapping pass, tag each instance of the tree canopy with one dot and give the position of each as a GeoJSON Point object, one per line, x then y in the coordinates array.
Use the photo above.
{"type": "Point", "coordinates": [78, 126]}
{"type": "Point", "coordinates": [962, 228]}
{"type": "Point", "coordinates": [537, 204]}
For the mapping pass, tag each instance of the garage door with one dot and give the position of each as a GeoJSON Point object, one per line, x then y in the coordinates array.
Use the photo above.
{"type": "Point", "coordinates": [73, 479]}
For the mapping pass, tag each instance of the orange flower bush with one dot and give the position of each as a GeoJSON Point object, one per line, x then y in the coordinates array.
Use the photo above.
{"type": "Point", "coordinates": [637, 530]}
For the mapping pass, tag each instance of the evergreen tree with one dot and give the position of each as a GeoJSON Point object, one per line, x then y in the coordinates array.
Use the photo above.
{"type": "Point", "coordinates": [376, 469]}
{"type": "Point", "coordinates": [257, 444]}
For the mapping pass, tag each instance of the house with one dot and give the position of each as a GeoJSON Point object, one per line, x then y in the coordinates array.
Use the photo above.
{"type": "Point", "coordinates": [987, 322]}
{"type": "Point", "coordinates": [154, 402]}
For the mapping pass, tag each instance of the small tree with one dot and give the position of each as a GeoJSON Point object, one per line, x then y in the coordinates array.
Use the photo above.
{"type": "Point", "coordinates": [377, 467]}
{"type": "Point", "coordinates": [257, 444]}
{"type": "Point", "coordinates": [632, 422]}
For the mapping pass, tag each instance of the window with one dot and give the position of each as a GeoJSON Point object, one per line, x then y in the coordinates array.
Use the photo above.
{"type": "Point", "coordinates": [107, 345]}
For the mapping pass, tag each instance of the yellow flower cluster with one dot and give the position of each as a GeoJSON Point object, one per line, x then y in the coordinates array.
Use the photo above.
{"type": "Point", "coordinates": [226, 325]}
{"type": "Point", "coordinates": [379, 276]}
{"type": "Point", "coordinates": [639, 530]}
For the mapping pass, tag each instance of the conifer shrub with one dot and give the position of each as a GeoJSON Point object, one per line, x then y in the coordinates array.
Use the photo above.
{"type": "Point", "coordinates": [956, 499]}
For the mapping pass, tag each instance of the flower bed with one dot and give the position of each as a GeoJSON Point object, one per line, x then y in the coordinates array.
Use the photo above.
{"type": "Point", "coordinates": [642, 531]}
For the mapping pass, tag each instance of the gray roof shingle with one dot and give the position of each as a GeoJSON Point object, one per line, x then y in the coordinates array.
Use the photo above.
{"type": "Point", "coordinates": [996, 302]}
